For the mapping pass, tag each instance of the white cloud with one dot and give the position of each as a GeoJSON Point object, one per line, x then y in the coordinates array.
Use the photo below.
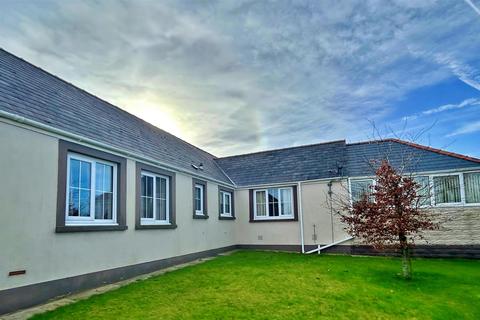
{"type": "Point", "coordinates": [241, 76]}
{"type": "Point", "coordinates": [473, 6]}
{"type": "Point", "coordinates": [465, 129]}
{"type": "Point", "coordinates": [446, 107]}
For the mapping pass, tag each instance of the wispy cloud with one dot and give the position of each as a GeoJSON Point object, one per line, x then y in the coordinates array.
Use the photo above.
{"type": "Point", "coordinates": [473, 6]}
{"type": "Point", "coordinates": [446, 107]}
{"type": "Point", "coordinates": [467, 128]}
{"type": "Point", "coordinates": [237, 76]}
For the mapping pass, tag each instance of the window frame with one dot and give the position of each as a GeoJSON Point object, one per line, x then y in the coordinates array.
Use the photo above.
{"type": "Point", "coordinates": [294, 205]}
{"type": "Point", "coordinates": [447, 204]}
{"type": "Point", "coordinates": [221, 195]}
{"type": "Point", "coordinates": [65, 148]}
{"type": "Point", "coordinates": [147, 223]}
{"type": "Point", "coordinates": [90, 220]}
{"type": "Point", "coordinates": [203, 214]}
{"type": "Point", "coordinates": [153, 220]}
{"type": "Point", "coordinates": [350, 180]}
{"type": "Point", "coordinates": [463, 186]}
{"type": "Point", "coordinates": [431, 175]}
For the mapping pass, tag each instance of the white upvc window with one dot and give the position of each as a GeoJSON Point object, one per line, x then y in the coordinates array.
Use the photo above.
{"type": "Point", "coordinates": [225, 203]}
{"type": "Point", "coordinates": [199, 205]}
{"type": "Point", "coordinates": [447, 189]}
{"type": "Point", "coordinates": [360, 188]}
{"type": "Point", "coordinates": [273, 203]}
{"type": "Point", "coordinates": [471, 181]}
{"type": "Point", "coordinates": [423, 190]}
{"type": "Point", "coordinates": [91, 196]}
{"type": "Point", "coordinates": [155, 195]}
{"type": "Point", "coordinates": [435, 189]}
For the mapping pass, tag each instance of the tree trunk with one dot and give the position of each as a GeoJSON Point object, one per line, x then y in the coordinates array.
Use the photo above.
{"type": "Point", "coordinates": [406, 261]}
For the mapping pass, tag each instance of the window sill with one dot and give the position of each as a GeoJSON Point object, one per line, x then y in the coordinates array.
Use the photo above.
{"type": "Point", "coordinates": [198, 216]}
{"type": "Point", "coordinates": [88, 228]}
{"type": "Point", "coordinates": [155, 226]}
{"type": "Point", "coordinates": [226, 217]}
{"type": "Point", "coordinates": [275, 220]}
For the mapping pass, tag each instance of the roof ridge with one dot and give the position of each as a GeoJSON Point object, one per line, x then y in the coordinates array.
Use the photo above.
{"type": "Point", "coordinates": [281, 149]}
{"type": "Point", "coordinates": [421, 147]}
{"type": "Point", "coordinates": [436, 150]}
{"type": "Point", "coordinates": [101, 99]}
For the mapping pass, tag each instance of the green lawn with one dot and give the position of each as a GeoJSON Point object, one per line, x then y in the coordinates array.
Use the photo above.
{"type": "Point", "coordinates": [267, 285]}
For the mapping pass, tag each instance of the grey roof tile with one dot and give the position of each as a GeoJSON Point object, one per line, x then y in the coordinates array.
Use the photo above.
{"type": "Point", "coordinates": [317, 161]}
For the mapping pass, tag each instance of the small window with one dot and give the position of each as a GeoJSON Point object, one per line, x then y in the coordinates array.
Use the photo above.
{"type": "Point", "coordinates": [199, 199]}
{"type": "Point", "coordinates": [360, 188]}
{"type": "Point", "coordinates": [155, 204]}
{"type": "Point", "coordinates": [423, 191]}
{"type": "Point", "coordinates": [226, 203]}
{"type": "Point", "coordinates": [447, 189]}
{"type": "Point", "coordinates": [273, 203]}
{"type": "Point", "coordinates": [472, 187]}
{"type": "Point", "coordinates": [91, 196]}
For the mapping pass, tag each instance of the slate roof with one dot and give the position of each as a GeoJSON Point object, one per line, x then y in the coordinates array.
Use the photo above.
{"type": "Point", "coordinates": [334, 159]}
{"type": "Point", "coordinates": [317, 161]}
{"type": "Point", "coordinates": [33, 93]}
{"type": "Point", "coordinates": [414, 157]}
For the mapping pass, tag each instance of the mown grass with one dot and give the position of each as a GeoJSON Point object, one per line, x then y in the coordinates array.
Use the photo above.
{"type": "Point", "coordinates": [268, 285]}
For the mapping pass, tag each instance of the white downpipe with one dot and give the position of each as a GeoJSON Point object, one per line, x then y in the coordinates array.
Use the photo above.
{"type": "Point", "coordinates": [81, 139]}
{"type": "Point", "coordinates": [300, 209]}
{"type": "Point", "coordinates": [328, 245]}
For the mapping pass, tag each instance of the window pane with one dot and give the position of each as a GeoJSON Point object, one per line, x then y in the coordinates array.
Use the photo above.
{"type": "Point", "coordinates": [447, 189]}
{"type": "Point", "coordinates": [108, 206]}
{"type": "Point", "coordinates": [260, 203]}
{"type": "Point", "coordinates": [360, 188]}
{"type": "Point", "coordinates": [221, 202]}
{"type": "Point", "coordinates": [143, 209]}
{"type": "Point", "coordinates": [423, 190]}
{"type": "Point", "coordinates": [99, 176]}
{"type": "Point", "coordinates": [73, 202]}
{"type": "Point", "coordinates": [108, 178]}
{"type": "Point", "coordinates": [149, 208]}
{"type": "Point", "coordinates": [84, 203]}
{"type": "Point", "coordinates": [161, 213]}
{"type": "Point", "coordinates": [198, 198]}
{"type": "Point", "coordinates": [85, 170]}
{"type": "Point", "coordinates": [286, 199]}
{"type": "Point", "coordinates": [74, 173]}
{"type": "Point", "coordinates": [158, 187]}
{"type": "Point", "coordinates": [149, 186]}
{"type": "Point", "coordinates": [227, 203]}
{"type": "Point", "coordinates": [99, 205]}
{"type": "Point", "coordinates": [472, 187]}
{"type": "Point", "coordinates": [273, 196]}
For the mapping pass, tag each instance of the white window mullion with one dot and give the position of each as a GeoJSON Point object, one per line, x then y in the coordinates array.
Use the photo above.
{"type": "Point", "coordinates": [266, 204]}
{"type": "Point", "coordinates": [280, 199]}
{"type": "Point", "coordinates": [92, 189]}
{"type": "Point", "coordinates": [154, 198]}
{"type": "Point", "coordinates": [462, 189]}
{"type": "Point", "coordinates": [432, 190]}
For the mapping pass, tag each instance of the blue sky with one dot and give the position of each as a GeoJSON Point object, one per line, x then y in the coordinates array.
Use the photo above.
{"type": "Point", "coordinates": [242, 76]}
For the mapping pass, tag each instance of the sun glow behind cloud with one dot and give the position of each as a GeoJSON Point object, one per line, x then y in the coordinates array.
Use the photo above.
{"type": "Point", "coordinates": [241, 76]}
{"type": "Point", "coordinates": [152, 110]}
